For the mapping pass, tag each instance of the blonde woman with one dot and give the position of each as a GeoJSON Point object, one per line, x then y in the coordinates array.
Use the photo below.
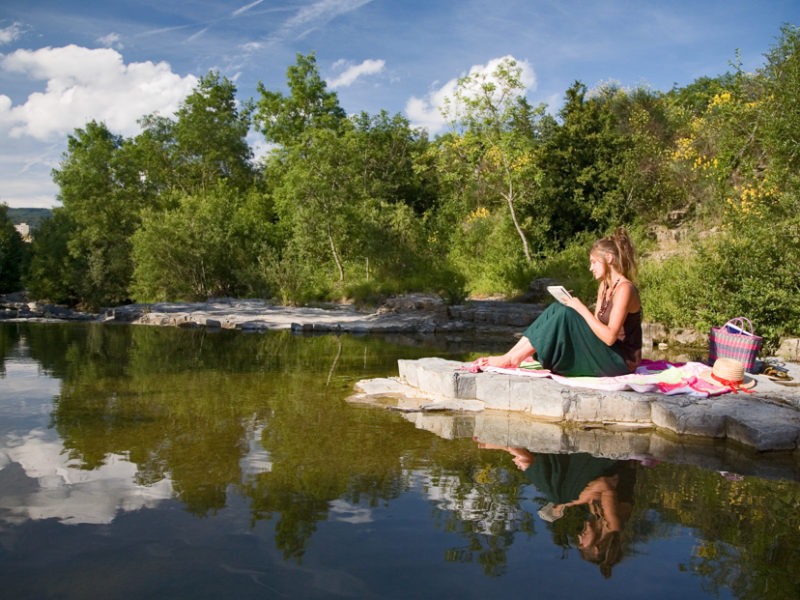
{"type": "Point", "coordinates": [571, 340]}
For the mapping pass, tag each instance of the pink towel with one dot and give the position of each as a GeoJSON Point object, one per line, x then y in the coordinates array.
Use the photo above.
{"type": "Point", "coordinates": [651, 376]}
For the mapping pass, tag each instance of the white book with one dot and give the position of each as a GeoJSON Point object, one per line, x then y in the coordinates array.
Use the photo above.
{"type": "Point", "coordinates": [559, 292]}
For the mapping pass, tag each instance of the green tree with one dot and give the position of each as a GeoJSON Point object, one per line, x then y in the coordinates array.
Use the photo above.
{"type": "Point", "coordinates": [387, 151]}
{"type": "Point", "coordinates": [207, 245]}
{"type": "Point", "coordinates": [210, 137]}
{"type": "Point", "coordinates": [780, 109]}
{"type": "Point", "coordinates": [12, 254]}
{"type": "Point", "coordinates": [580, 178]}
{"type": "Point", "coordinates": [490, 107]}
{"type": "Point", "coordinates": [54, 273]}
{"type": "Point", "coordinates": [309, 105]}
{"type": "Point", "coordinates": [320, 195]}
{"type": "Point", "coordinates": [203, 144]}
{"type": "Point", "coordinates": [98, 192]}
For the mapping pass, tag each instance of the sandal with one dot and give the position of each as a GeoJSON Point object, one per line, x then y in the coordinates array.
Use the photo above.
{"type": "Point", "coordinates": [775, 374]}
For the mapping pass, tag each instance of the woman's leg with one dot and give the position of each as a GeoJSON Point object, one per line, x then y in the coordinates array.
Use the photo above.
{"type": "Point", "coordinates": [511, 359]}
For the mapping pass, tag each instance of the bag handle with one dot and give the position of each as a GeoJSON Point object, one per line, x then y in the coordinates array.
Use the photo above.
{"type": "Point", "coordinates": [739, 322]}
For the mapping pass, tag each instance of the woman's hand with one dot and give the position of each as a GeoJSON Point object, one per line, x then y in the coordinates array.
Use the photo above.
{"type": "Point", "coordinates": [576, 304]}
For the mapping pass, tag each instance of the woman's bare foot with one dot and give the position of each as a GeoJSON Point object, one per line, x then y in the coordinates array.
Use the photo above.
{"type": "Point", "coordinates": [502, 362]}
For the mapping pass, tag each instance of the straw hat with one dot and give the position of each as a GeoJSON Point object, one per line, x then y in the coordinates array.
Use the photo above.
{"type": "Point", "coordinates": [730, 373]}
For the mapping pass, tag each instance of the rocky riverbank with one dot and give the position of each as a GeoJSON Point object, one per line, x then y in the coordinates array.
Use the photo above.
{"type": "Point", "coordinates": [413, 314]}
{"type": "Point", "coordinates": [553, 414]}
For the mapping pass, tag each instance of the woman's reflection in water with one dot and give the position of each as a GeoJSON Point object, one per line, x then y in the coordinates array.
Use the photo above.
{"type": "Point", "coordinates": [600, 487]}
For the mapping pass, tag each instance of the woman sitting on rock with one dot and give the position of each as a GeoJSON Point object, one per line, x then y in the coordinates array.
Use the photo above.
{"type": "Point", "coordinates": [568, 339]}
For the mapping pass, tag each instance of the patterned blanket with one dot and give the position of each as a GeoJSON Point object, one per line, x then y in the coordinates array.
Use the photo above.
{"type": "Point", "coordinates": [693, 378]}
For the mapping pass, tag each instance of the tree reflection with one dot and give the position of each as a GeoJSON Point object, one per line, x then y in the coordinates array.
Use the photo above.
{"type": "Point", "coordinates": [9, 336]}
{"type": "Point", "coordinates": [747, 528]}
{"type": "Point", "coordinates": [185, 405]}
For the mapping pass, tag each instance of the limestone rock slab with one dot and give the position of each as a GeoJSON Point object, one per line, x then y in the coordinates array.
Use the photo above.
{"type": "Point", "coordinates": [763, 423]}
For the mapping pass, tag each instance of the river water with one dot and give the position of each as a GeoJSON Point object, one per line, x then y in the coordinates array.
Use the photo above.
{"type": "Point", "coordinates": [143, 462]}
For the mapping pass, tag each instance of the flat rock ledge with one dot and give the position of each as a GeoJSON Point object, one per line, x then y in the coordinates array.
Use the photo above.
{"type": "Point", "coordinates": [412, 314]}
{"type": "Point", "coordinates": [416, 314]}
{"type": "Point", "coordinates": [541, 414]}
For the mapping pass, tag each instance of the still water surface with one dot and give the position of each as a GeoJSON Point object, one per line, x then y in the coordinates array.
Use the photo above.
{"type": "Point", "coordinates": [141, 462]}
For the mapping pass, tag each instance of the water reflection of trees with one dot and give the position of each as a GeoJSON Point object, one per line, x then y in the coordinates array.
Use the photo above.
{"type": "Point", "coordinates": [479, 498]}
{"type": "Point", "coordinates": [9, 336]}
{"type": "Point", "coordinates": [182, 404]}
{"type": "Point", "coordinates": [747, 528]}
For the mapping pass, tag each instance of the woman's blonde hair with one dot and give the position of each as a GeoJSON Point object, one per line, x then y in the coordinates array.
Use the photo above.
{"type": "Point", "coordinates": [620, 247]}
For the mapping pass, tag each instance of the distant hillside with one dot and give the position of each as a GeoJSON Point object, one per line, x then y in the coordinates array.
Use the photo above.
{"type": "Point", "coordinates": [31, 216]}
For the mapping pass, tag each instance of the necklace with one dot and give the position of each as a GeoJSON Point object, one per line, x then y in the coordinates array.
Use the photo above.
{"type": "Point", "coordinates": [607, 297]}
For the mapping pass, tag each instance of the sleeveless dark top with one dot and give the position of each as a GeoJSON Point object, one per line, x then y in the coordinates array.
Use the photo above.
{"type": "Point", "coordinates": [630, 346]}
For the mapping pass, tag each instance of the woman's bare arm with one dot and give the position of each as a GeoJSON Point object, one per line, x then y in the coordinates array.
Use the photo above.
{"type": "Point", "coordinates": [609, 334]}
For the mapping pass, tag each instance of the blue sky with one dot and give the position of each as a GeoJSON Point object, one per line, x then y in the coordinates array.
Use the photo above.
{"type": "Point", "coordinates": [63, 62]}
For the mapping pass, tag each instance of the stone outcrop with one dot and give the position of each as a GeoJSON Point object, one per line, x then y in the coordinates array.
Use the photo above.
{"type": "Point", "coordinates": [789, 349]}
{"type": "Point", "coordinates": [768, 419]}
{"type": "Point", "coordinates": [17, 308]}
{"type": "Point", "coordinates": [410, 314]}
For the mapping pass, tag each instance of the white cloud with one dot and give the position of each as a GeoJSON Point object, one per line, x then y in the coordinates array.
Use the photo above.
{"type": "Point", "coordinates": [111, 41]}
{"type": "Point", "coordinates": [27, 181]}
{"type": "Point", "coordinates": [85, 84]}
{"type": "Point", "coordinates": [196, 35]}
{"type": "Point", "coordinates": [316, 15]}
{"type": "Point", "coordinates": [260, 147]}
{"type": "Point", "coordinates": [11, 33]}
{"type": "Point", "coordinates": [353, 72]}
{"type": "Point", "coordinates": [245, 8]}
{"type": "Point", "coordinates": [251, 47]}
{"type": "Point", "coordinates": [25, 170]}
{"type": "Point", "coordinates": [427, 112]}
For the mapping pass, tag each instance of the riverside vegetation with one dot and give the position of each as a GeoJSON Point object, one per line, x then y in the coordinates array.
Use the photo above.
{"type": "Point", "coordinates": [365, 206]}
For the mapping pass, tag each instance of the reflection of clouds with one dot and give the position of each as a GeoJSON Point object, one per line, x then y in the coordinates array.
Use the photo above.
{"type": "Point", "coordinates": [257, 460]}
{"type": "Point", "coordinates": [490, 515]}
{"type": "Point", "coordinates": [26, 391]}
{"type": "Point", "coordinates": [349, 513]}
{"type": "Point", "coordinates": [70, 494]}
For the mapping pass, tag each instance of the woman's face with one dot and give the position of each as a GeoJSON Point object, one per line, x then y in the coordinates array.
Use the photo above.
{"type": "Point", "coordinates": [597, 265]}
{"type": "Point", "coordinates": [588, 537]}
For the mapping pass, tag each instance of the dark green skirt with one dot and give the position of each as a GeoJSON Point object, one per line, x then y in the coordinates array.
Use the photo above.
{"type": "Point", "coordinates": [562, 477]}
{"type": "Point", "coordinates": [565, 344]}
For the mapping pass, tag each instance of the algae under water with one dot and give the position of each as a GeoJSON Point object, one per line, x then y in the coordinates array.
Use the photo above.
{"type": "Point", "coordinates": [164, 463]}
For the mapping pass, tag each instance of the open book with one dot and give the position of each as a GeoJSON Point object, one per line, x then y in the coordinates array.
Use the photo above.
{"type": "Point", "coordinates": [559, 293]}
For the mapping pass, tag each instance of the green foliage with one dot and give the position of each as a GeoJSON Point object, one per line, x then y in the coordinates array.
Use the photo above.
{"type": "Point", "coordinates": [750, 270]}
{"type": "Point", "coordinates": [364, 206]}
{"type": "Point", "coordinates": [309, 106]}
{"type": "Point", "coordinates": [500, 129]}
{"type": "Point", "coordinates": [13, 254]}
{"type": "Point", "coordinates": [743, 186]}
{"type": "Point", "coordinates": [696, 96]}
{"type": "Point", "coordinates": [580, 174]}
{"type": "Point", "coordinates": [106, 183]}
{"type": "Point", "coordinates": [204, 247]}
{"type": "Point", "coordinates": [209, 134]}
{"type": "Point", "coordinates": [570, 267]}
{"type": "Point", "coordinates": [97, 192]}
{"type": "Point", "coordinates": [53, 272]}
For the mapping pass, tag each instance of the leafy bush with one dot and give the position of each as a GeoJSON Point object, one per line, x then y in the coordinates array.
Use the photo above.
{"type": "Point", "coordinates": [750, 270]}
